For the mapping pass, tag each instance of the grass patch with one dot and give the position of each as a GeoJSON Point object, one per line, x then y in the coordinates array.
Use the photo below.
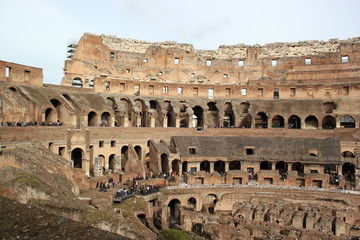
{"type": "Point", "coordinates": [174, 234]}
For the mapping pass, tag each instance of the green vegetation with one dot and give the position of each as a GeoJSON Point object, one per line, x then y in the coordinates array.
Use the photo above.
{"type": "Point", "coordinates": [174, 234]}
{"type": "Point", "coordinates": [133, 204]}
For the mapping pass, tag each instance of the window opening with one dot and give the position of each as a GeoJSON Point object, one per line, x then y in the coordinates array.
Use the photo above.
{"type": "Point", "coordinates": [112, 55]}
{"type": "Point", "coordinates": [177, 61]}
{"type": "Point", "coordinates": [180, 90]}
{"type": "Point", "coordinates": [225, 75]}
{"type": "Point", "coordinates": [307, 61]}
{"type": "Point", "coordinates": [151, 88]}
{"type": "Point", "coordinates": [228, 91]}
{"type": "Point", "coordinates": [165, 89]}
{"type": "Point", "coordinates": [241, 63]}
{"type": "Point", "coordinates": [208, 62]}
{"type": "Point", "coordinates": [345, 59]}
{"type": "Point", "coordinates": [274, 62]}
{"type": "Point", "coordinates": [101, 143]}
{"type": "Point", "coordinates": [122, 87]}
{"type": "Point", "coordinates": [292, 91]}
{"type": "Point", "coordinates": [7, 71]}
{"type": "Point", "coordinates": [243, 91]}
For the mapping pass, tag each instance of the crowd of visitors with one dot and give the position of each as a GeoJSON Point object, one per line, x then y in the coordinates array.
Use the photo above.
{"type": "Point", "coordinates": [29, 124]}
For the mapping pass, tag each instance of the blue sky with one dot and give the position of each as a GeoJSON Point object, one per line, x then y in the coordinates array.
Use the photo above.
{"type": "Point", "coordinates": [36, 32]}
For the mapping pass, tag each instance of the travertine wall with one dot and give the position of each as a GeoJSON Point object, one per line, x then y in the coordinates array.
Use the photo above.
{"type": "Point", "coordinates": [27, 75]}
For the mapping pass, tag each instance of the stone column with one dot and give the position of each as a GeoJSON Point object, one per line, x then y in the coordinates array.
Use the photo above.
{"type": "Point", "coordinates": [227, 165]}
{"type": "Point", "coordinates": [86, 166]}
{"type": "Point", "coordinates": [177, 122]}
{"type": "Point", "coordinates": [117, 163]}
{"type": "Point", "coordinates": [126, 121]}
{"type": "Point", "coordinates": [165, 122]}
{"type": "Point", "coordinates": [97, 167]}
{"type": "Point", "coordinates": [152, 121]}
{"type": "Point", "coordinates": [212, 167]}
{"type": "Point", "coordinates": [138, 121]}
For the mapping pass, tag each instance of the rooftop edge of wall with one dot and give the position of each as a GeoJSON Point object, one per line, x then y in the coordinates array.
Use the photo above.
{"type": "Point", "coordinates": [240, 50]}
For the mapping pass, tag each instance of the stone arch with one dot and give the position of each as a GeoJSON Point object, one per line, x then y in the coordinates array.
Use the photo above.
{"type": "Point", "coordinates": [102, 160]}
{"type": "Point", "coordinates": [294, 122]}
{"type": "Point", "coordinates": [164, 163]}
{"type": "Point", "coordinates": [77, 82]}
{"type": "Point", "coordinates": [143, 112]}
{"type": "Point", "coordinates": [105, 119]}
{"type": "Point", "coordinates": [156, 113]}
{"type": "Point", "coordinates": [278, 122]}
{"type": "Point", "coordinates": [191, 203]}
{"type": "Point", "coordinates": [198, 113]}
{"type": "Point", "coordinates": [261, 120]}
{"type": "Point", "coordinates": [265, 165]}
{"type": "Point", "coordinates": [212, 115]}
{"type": "Point", "coordinates": [299, 167]}
{"type": "Point", "coordinates": [229, 115]}
{"type": "Point", "coordinates": [311, 122]}
{"type": "Point", "coordinates": [235, 165]}
{"type": "Point", "coordinates": [347, 154]}
{"type": "Point", "coordinates": [281, 166]}
{"type": "Point", "coordinates": [124, 156]}
{"type": "Point", "coordinates": [219, 166]}
{"type": "Point", "coordinates": [174, 212]}
{"type": "Point", "coordinates": [175, 165]}
{"type": "Point", "coordinates": [13, 89]}
{"type": "Point", "coordinates": [138, 151]}
{"type": "Point", "coordinates": [77, 155]}
{"type": "Point", "coordinates": [50, 116]}
{"type": "Point", "coordinates": [205, 166]}
{"type": "Point", "coordinates": [329, 122]}
{"type": "Point", "coordinates": [209, 203]}
{"type": "Point", "coordinates": [92, 119]}
{"type": "Point", "coordinates": [347, 122]}
{"type": "Point", "coordinates": [112, 162]}
{"type": "Point", "coordinates": [57, 105]}
{"type": "Point", "coordinates": [184, 167]}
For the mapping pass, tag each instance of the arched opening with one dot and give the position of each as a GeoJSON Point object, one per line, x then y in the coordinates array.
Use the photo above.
{"type": "Point", "coordinates": [105, 119]}
{"type": "Point", "coordinates": [329, 122]}
{"type": "Point", "coordinates": [170, 115]}
{"type": "Point", "coordinates": [184, 167]}
{"type": "Point", "coordinates": [347, 122]}
{"type": "Point", "coordinates": [198, 112]}
{"type": "Point", "coordinates": [191, 203]}
{"type": "Point", "coordinates": [219, 166]}
{"type": "Point", "coordinates": [330, 168]}
{"type": "Point", "coordinates": [348, 171]}
{"type": "Point", "coordinates": [212, 115]}
{"type": "Point", "coordinates": [112, 162]}
{"type": "Point", "coordinates": [76, 157]}
{"type": "Point", "coordinates": [92, 119]}
{"type": "Point", "coordinates": [299, 167]}
{"type": "Point", "coordinates": [294, 122]}
{"type": "Point", "coordinates": [175, 166]}
{"type": "Point", "coordinates": [126, 108]}
{"type": "Point", "coordinates": [124, 156]}
{"type": "Point", "coordinates": [153, 104]}
{"type": "Point", "coordinates": [311, 122]}
{"type": "Point", "coordinates": [57, 105]}
{"type": "Point", "coordinates": [77, 82]}
{"type": "Point", "coordinates": [142, 111]}
{"type": "Point", "coordinates": [347, 154]}
{"type": "Point", "coordinates": [174, 213]}
{"type": "Point", "coordinates": [49, 116]}
{"type": "Point", "coordinates": [229, 116]}
{"type": "Point", "coordinates": [278, 122]}
{"type": "Point", "coordinates": [261, 120]}
{"type": "Point", "coordinates": [205, 166]}
{"type": "Point", "coordinates": [281, 166]}
{"type": "Point", "coordinates": [234, 165]}
{"type": "Point", "coordinates": [164, 163]}
{"type": "Point", "coordinates": [138, 152]}
{"type": "Point", "coordinates": [265, 165]}
{"type": "Point", "coordinates": [13, 89]}
{"type": "Point", "coordinates": [142, 219]}
{"type": "Point", "coordinates": [210, 202]}
{"type": "Point", "coordinates": [102, 157]}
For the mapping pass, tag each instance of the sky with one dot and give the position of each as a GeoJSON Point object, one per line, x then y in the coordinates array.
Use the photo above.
{"type": "Point", "coordinates": [36, 32]}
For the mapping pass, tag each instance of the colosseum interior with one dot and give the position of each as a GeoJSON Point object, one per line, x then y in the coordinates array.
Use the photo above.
{"type": "Point", "coordinates": [242, 142]}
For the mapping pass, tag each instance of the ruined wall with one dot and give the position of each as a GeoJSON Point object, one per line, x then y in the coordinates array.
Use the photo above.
{"type": "Point", "coordinates": [27, 75]}
{"type": "Point", "coordinates": [151, 66]}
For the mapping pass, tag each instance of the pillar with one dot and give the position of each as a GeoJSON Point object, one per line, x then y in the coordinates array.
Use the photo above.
{"type": "Point", "coordinates": [138, 121]}
{"type": "Point", "coordinates": [227, 165]}
{"type": "Point", "coordinates": [177, 122]}
{"type": "Point", "coordinates": [165, 122]}
{"type": "Point", "coordinates": [86, 166]}
{"type": "Point", "coordinates": [212, 167]}
{"type": "Point", "coordinates": [152, 121]}
{"type": "Point", "coordinates": [97, 167]}
{"type": "Point", "coordinates": [117, 163]}
{"type": "Point", "coordinates": [126, 121]}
